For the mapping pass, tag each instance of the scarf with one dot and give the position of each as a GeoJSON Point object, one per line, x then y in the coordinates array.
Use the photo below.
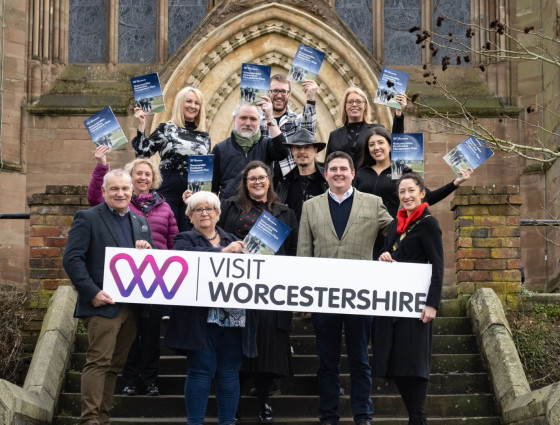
{"type": "Point", "coordinates": [246, 143]}
{"type": "Point", "coordinates": [403, 220]}
{"type": "Point", "coordinates": [146, 201]}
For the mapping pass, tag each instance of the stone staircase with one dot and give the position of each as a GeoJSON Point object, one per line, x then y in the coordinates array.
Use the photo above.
{"type": "Point", "coordinates": [459, 391]}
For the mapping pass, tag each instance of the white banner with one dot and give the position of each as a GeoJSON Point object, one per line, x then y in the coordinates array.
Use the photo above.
{"type": "Point", "coordinates": [266, 282]}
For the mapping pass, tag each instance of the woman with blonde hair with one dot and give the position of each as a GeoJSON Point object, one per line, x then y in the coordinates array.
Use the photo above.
{"type": "Point", "coordinates": [141, 370]}
{"type": "Point", "coordinates": [355, 115]}
{"type": "Point", "coordinates": [183, 135]}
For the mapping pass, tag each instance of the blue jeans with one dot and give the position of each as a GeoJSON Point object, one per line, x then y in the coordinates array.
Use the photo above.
{"type": "Point", "coordinates": [221, 358]}
{"type": "Point", "coordinates": [328, 328]}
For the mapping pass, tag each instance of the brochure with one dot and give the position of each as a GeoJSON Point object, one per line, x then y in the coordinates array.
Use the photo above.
{"type": "Point", "coordinates": [407, 150]}
{"type": "Point", "coordinates": [147, 93]}
{"type": "Point", "coordinates": [470, 153]}
{"type": "Point", "coordinates": [266, 236]}
{"type": "Point", "coordinates": [391, 83]}
{"type": "Point", "coordinates": [104, 129]}
{"type": "Point", "coordinates": [201, 168]}
{"type": "Point", "coordinates": [306, 64]}
{"type": "Point", "coordinates": [255, 83]}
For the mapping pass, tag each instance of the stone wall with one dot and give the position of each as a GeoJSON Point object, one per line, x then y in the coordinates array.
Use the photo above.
{"type": "Point", "coordinates": [51, 217]}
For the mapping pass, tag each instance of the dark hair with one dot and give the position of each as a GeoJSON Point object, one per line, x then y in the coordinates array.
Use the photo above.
{"type": "Point", "coordinates": [408, 173]}
{"type": "Point", "coordinates": [243, 191]}
{"type": "Point", "coordinates": [281, 78]}
{"type": "Point", "coordinates": [367, 159]}
{"type": "Point", "coordinates": [338, 155]}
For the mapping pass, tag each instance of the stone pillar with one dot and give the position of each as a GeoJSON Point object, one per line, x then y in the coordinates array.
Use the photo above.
{"type": "Point", "coordinates": [487, 241]}
{"type": "Point", "coordinates": [51, 216]}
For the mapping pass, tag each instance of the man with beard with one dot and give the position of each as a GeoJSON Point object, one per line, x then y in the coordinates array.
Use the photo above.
{"type": "Point", "coordinates": [246, 144]}
{"type": "Point", "coordinates": [288, 121]}
{"type": "Point", "coordinates": [306, 180]}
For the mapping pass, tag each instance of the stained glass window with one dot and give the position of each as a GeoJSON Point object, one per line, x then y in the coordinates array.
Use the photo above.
{"type": "Point", "coordinates": [87, 31]}
{"type": "Point", "coordinates": [184, 17]}
{"type": "Point", "coordinates": [458, 11]}
{"type": "Point", "coordinates": [137, 31]}
{"type": "Point", "coordinates": [400, 45]}
{"type": "Point", "coordinates": [358, 16]}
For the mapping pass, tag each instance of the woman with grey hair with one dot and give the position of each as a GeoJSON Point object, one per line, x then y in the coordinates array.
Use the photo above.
{"type": "Point", "coordinates": [214, 339]}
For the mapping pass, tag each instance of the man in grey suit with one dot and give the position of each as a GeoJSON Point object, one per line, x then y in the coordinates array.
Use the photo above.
{"type": "Point", "coordinates": [342, 223]}
{"type": "Point", "coordinates": [111, 327]}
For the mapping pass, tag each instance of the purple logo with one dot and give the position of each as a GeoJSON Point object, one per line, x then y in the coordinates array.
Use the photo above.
{"type": "Point", "coordinates": [137, 275]}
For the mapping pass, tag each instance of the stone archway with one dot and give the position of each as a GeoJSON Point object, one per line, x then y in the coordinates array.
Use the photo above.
{"type": "Point", "coordinates": [269, 33]}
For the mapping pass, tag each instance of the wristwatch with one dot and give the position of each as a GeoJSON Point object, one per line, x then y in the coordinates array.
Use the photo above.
{"type": "Point", "coordinates": [271, 123]}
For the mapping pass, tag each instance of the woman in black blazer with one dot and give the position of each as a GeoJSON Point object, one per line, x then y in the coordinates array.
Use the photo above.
{"type": "Point", "coordinates": [393, 337]}
{"type": "Point", "coordinates": [355, 116]}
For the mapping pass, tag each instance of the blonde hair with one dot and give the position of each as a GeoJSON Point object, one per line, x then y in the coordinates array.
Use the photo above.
{"type": "Point", "coordinates": [177, 115]}
{"type": "Point", "coordinates": [361, 93]}
{"type": "Point", "coordinates": [156, 175]}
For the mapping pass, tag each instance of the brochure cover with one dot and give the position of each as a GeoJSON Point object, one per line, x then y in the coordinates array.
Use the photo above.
{"type": "Point", "coordinates": [306, 64]}
{"type": "Point", "coordinates": [391, 83]}
{"type": "Point", "coordinates": [470, 153]}
{"type": "Point", "coordinates": [104, 129]}
{"type": "Point", "coordinates": [255, 83]}
{"type": "Point", "coordinates": [147, 93]}
{"type": "Point", "coordinates": [201, 168]}
{"type": "Point", "coordinates": [266, 236]}
{"type": "Point", "coordinates": [407, 150]}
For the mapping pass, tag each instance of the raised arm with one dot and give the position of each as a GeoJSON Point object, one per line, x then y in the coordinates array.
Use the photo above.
{"type": "Point", "coordinates": [94, 193]}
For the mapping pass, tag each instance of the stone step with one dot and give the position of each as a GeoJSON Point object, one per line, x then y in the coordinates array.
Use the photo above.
{"type": "Point", "coordinates": [457, 405]}
{"type": "Point", "coordinates": [305, 344]}
{"type": "Point", "coordinates": [377, 420]}
{"type": "Point", "coordinates": [440, 383]}
{"type": "Point", "coordinates": [305, 364]}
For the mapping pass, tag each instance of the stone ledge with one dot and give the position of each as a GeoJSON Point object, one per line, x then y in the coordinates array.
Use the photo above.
{"type": "Point", "coordinates": [35, 402]}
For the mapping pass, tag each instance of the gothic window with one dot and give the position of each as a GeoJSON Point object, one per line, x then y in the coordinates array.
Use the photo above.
{"type": "Point", "coordinates": [137, 31]}
{"type": "Point", "coordinates": [87, 31]}
{"type": "Point", "coordinates": [184, 17]}
{"type": "Point", "coordinates": [357, 14]}
{"type": "Point", "coordinates": [399, 44]}
{"type": "Point", "coordinates": [456, 11]}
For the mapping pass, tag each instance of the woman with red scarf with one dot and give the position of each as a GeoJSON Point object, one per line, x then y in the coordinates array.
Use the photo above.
{"type": "Point", "coordinates": [415, 237]}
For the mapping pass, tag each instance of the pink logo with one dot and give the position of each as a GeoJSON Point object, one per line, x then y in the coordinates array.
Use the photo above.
{"type": "Point", "coordinates": [147, 292]}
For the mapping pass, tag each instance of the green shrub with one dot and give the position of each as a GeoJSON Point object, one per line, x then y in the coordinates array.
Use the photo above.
{"type": "Point", "coordinates": [536, 333]}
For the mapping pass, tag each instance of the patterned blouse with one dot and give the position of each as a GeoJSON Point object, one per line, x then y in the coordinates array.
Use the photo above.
{"type": "Point", "coordinates": [174, 145]}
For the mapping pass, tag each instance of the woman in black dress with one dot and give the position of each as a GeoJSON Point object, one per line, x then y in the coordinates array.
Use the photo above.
{"type": "Point", "coordinates": [393, 337]}
{"type": "Point", "coordinates": [255, 194]}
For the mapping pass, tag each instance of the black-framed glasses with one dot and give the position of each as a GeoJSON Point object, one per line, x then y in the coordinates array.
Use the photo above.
{"type": "Point", "coordinates": [206, 210]}
{"type": "Point", "coordinates": [282, 92]}
{"type": "Point", "coordinates": [357, 102]}
{"type": "Point", "coordinates": [260, 179]}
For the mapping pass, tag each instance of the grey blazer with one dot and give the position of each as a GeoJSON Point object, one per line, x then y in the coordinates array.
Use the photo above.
{"type": "Point", "coordinates": [317, 235]}
{"type": "Point", "coordinates": [84, 256]}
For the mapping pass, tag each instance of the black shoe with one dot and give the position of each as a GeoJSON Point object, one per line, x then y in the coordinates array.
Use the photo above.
{"type": "Point", "coordinates": [265, 414]}
{"type": "Point", "coordinates": [365, 423]}
{"type": "Point", "coordinates": [130, 390]}
{"type": "Point", "coordinates": [152, 390]}
{"type": "Point", "coordinates": [275, 387]}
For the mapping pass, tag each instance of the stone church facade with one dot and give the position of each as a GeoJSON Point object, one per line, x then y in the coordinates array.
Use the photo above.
{"type": "Point", "coordinates": [63, 60]}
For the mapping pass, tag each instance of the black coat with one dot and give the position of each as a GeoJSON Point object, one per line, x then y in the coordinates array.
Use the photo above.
{"type": "Point", "coordinates": [394, 337]}
{"type": "Point", "coordinates": [338, 139]}
{"type": "Point", "coordinates": [186, 330]}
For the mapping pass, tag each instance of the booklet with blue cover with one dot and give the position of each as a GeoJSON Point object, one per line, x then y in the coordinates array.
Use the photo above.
{"type": "Point", "coordinates": [104, 129]}
{"type": "Point", "coordinates": [255, 83]}
{"type": "Point", "coordinates": [407, 150]}
{"type": "Point", "coordinates": [391, 83]}
{"type": "Point", "coordinates": [201, 169]}
{"type": "Point", "coordinates": [147, 93]}
{"type": "Point", "coordinates": [306, 64]}
{"type": "Point", "coordinates": [266, 236]}
{"type": "Point", "coordinates": [470, 153]}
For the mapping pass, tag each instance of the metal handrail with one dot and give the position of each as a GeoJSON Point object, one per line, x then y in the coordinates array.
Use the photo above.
{"type": "Point", "coordinates": [14, 216]}
{"type": "Point", "coordinates": [539, 222]}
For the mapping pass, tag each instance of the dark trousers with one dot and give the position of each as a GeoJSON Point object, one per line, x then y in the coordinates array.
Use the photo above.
{"type": "Point", "coordinates": [141, 368]}
{"type": "Point", "coordinates": [414, 392]}
{"type": "Point", "coordinates": [172, 188]}
{"type": "Point", "coordinates": [328, 329]}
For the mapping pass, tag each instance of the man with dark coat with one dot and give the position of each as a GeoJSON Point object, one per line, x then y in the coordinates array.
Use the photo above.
{"type": "Point", "coordinates": [111, 327]}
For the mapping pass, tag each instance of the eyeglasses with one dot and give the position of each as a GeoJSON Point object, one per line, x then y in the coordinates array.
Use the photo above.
{"type": "Point", "coordinates": [206, 210]}
{"type": "Point", "coordinates": [260, 179]}
{"type": "Point", "coordinates": [282, 92]}
{"type": "Point", "coordinates": [356, 102]}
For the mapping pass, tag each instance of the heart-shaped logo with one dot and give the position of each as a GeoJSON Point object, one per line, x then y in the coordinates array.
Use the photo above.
{"type": "Point", "coordinates": [137, 272]}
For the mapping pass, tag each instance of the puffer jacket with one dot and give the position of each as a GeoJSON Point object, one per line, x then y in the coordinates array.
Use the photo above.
{"type": "Point", "coordinates": [161, 218]}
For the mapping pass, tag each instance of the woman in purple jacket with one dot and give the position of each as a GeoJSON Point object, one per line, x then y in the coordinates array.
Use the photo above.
{"type": "Point", "coordinates": [141, 369]}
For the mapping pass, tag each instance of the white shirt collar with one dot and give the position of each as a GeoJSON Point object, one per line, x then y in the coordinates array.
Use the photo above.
{"type": "Point", "coordinates": [346, 195]}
